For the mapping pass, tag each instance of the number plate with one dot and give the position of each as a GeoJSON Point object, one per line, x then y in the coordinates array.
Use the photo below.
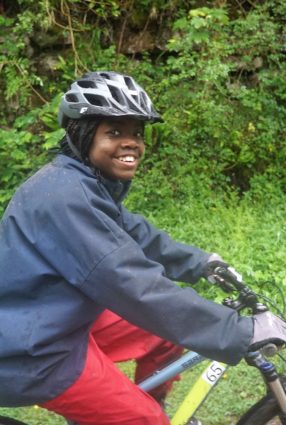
{"type": "Point", "coordinates": [213, 372]}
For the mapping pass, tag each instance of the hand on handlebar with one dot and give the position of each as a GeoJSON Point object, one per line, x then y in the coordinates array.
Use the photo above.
{"type": "Point", "coordinates": [214, 261]}
{"type": "Point", "coordinates": [268, 328]}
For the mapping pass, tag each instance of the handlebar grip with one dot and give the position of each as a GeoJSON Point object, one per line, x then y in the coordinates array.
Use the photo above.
{"type": "Point", "coordinates": [229, 274]}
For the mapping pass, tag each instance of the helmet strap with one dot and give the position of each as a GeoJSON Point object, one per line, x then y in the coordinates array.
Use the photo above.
{"type": "Point", "coordinates": [73, 148]}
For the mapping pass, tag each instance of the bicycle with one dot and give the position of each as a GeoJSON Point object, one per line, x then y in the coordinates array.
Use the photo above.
{"type": "Point", "coordinates": [272, 407]}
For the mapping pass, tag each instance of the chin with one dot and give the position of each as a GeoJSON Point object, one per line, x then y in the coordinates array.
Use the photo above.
{"type": "Point", "coordinates": [119, 177]}
{"type": "Point", "coordinates": [126, 178]}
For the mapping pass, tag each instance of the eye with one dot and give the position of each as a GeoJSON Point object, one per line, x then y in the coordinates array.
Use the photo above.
{"type": "Point", "coordinates": [114, 132]}
{"type": "Point", "coordinates": [140, 134]}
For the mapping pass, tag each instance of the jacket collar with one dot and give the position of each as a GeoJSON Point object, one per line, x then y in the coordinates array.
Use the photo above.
{"type": "Point", "coordinates": [117, 189]}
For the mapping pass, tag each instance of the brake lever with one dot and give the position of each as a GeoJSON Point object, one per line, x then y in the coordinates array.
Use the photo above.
{"type": "Point", "coordinates": [227, 278]}
{"type": "Point", "coordinates": [218, 280]}
{"type": "Point", "coordinates": [230, 275]}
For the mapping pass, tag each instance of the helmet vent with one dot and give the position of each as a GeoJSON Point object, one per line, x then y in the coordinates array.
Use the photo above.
{"type": "Point", "coordinates": [105, 75]}
{"type": "Point", "coordinates": [129, 83]}
{"type": "Point", "coordinates": [96, 100]}
{"type": "Point", "coordinates": [72, 98]}
{"type": "Point", "coordinates": [133, 107]}
{"type": "Point", "coordinates": [143, 100]}
{"type": "Point", "coordinates": [116, 94]}
{"type": "Point", "coordinates": [87, 84]}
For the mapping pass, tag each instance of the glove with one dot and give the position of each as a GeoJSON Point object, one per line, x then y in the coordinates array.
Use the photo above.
{"type": "Point", "coordinates": [213, 262]}
{"type": "Point", "coordinates": [268, 328]}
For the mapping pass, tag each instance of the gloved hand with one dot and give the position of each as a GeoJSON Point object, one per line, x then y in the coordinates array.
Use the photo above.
{"type": "Point", "coordinates": [268, 328]}
{"type": "Point", "coordinates": [213, 262]}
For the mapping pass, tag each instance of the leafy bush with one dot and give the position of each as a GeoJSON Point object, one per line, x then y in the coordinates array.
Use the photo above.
{"type": "Point", "coordinates": [214, 172]}
{"type": "Point", "coordinates": [25, 147]}
{"type": "Point", "coordinates": [217, 76]}
{"type": "Point", "coordinates": [225, 84]}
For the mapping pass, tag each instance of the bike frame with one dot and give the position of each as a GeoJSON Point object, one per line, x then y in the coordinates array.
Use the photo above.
{"type": "Point", "coordinates": [198, 391]}
{"type": "Point", "coordinates": [210, 376]}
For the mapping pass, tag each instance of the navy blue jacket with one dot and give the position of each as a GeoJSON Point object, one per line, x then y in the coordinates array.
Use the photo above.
{"type": "Point", "coordinates": [68, 250]}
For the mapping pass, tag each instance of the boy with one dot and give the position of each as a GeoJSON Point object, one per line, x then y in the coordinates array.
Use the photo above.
{"type": "Point", "coordinates": [85, 283]}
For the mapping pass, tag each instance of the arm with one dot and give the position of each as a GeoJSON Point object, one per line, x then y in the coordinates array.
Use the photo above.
{"type": "Point", "coordinates": [134, 287]}
{"type": "Point", "coordinates": [87, 249]}
{"type": "Point", "coordinates": [181, 262]}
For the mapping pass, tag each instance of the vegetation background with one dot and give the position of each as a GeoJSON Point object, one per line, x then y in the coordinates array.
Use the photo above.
{"type": "Point", "coordinates": [214, 174]}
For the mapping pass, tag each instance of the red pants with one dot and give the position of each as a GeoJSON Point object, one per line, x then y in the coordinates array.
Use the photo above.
{"type": "Point", "coordinates": [103, 395]}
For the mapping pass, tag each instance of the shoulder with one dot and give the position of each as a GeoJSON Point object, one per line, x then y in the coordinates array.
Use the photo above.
{"type": "Point", "coordinates": [62, 173]}
{"type": "Point", "coordinates": [59, 185]}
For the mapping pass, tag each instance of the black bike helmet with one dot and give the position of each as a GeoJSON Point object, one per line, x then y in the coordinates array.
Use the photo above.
{"type": "Point", "coordinates": [106, 94]}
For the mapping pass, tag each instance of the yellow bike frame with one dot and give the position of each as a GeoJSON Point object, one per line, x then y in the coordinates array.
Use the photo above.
{"type": "Point", "coordinates": [198, 393]}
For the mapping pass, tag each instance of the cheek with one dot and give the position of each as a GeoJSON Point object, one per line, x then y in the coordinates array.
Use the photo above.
{"type": "Point", "coordinates": [95, 155]}
{"type": "Point", "coordinates": [96, 151]}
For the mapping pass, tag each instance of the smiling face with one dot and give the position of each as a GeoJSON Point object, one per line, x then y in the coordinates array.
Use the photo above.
{"type": "Point", "coordinates": [117, 147]}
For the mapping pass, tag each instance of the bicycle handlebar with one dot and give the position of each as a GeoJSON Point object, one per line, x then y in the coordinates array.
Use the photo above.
{"type": "Point", "coordinates": [229, 277]}
{"type": "Point", "coordinates": [230, 281]}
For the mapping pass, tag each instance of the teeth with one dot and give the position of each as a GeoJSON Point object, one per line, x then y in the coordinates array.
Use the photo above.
{"type": "Point", "coordinates": [127, 158]}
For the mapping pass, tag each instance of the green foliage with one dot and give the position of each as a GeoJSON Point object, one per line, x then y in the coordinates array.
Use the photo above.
{"type": "Point", "coordinates": [25, 147]}
{"type": "Point", "coordinates": [33, 416]}
{"type": "Point", "coordinates": [226, 80]}
{"type": "Point", "coordinates": [219, 84]}
{"type": "Point", "coordinates": [249, 232]}
{"type": "Point", "coordinates": [214, 173]}
{"type": "Point", "coordinates": [219, 81]}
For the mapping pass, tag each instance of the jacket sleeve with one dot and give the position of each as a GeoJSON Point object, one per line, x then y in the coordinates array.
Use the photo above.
{"type": "Point", "coordinates": [181, 262]}
{"type": "Point", "coordinates": [135, 287]}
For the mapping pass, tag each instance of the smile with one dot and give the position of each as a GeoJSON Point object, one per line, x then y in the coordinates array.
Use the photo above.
{"type": "Point", "coordinates": [129, 158]}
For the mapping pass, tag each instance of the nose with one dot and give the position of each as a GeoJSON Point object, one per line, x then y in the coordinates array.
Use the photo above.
{"type": "Point", "coordinates": [130, 142]}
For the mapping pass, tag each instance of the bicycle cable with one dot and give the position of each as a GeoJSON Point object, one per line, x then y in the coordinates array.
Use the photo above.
{"type": "Point", "coordinates": [281, 357]}
{"type": "Point", "coordinates": [281, 294]}
{"type": "Point", "coordinates": [230, 281]}
{"type": "Point", "coordinates": [282, 312]}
